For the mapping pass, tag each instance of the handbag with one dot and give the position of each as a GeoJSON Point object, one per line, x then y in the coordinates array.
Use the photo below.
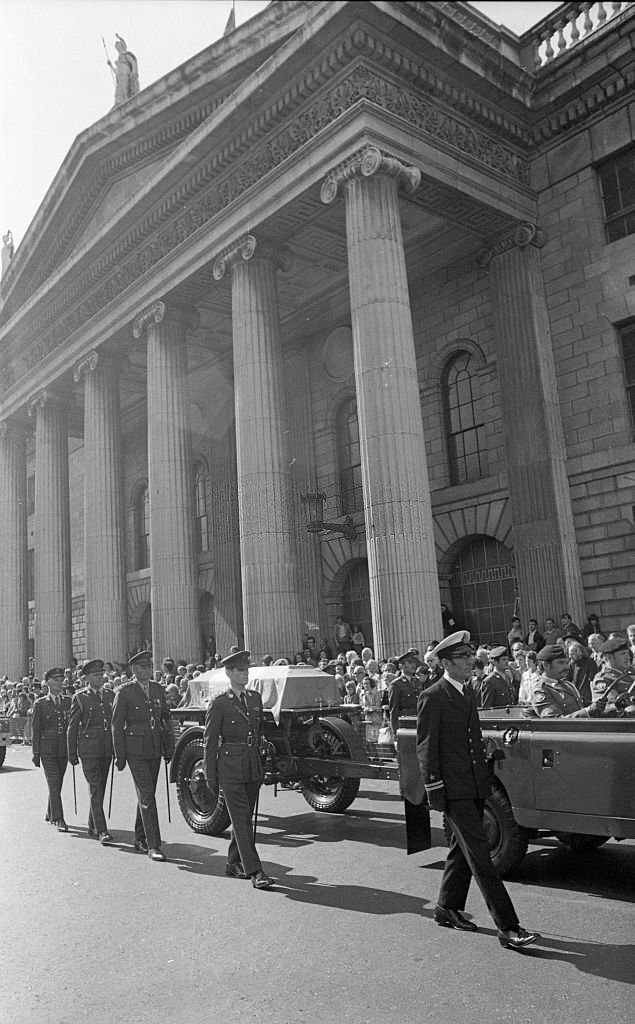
{"type": "Point", "coordinates": [385, 734]}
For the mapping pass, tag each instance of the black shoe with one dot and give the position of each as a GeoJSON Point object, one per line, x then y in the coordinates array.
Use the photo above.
{"type": "Point", "coordinates": [261, 881]}
{"type": "Point", "coordinates": [141, 846]}
{"type": "Point", "coordinates": [104, 837]}
{"type": "Point", "coordinates": [61, 825]}
{"type": "Point", "coordinates": [91, 830]}
{"type": "Point", "coordinates": [235, 871]}
{"type": "Point", "coordinates": [453, 919]}
{"type": "Point", "coordinates": [156, 854]}
{"type": "Point", "coordinates": [517, 938]}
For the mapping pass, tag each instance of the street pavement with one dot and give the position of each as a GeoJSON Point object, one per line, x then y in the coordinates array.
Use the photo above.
{"type": "Point", "coordinates": [94, 935]}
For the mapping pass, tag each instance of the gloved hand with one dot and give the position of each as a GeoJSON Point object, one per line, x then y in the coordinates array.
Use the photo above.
{"type": "Point", "coordinates": [36, 760]}
{"type": "Point", "coordinates": [120, 764]}
{"type": "Point", "coordinates": [597, 707]}
{"type": "Point", "coordinates": [436, 797]}
{"type": "Point", "coordinates": [167, 758]}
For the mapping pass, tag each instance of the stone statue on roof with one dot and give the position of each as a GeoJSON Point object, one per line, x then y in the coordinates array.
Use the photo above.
{"type": "Point", "coordinates": [126, 73]}
{"type": "Point", "coordinates": [8, 249]}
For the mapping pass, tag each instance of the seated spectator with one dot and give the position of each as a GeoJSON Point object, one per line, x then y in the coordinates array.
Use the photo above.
{"type": "Point", "coordinates": [553, 695]}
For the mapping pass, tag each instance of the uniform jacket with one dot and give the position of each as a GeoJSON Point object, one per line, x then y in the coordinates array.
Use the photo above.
{"type": "Point", "coordinates": [49, 726]}
{"type": "Point", "coordinates": [232, 740]}
{"type": "Point", "coordinates": [496, 691]}
{"type": "Point", "coordinates": [449, 742]}
{"type": "Point", "coordinates": [557, 699]}
{"type": "Point", "coordinates": [141, 726]}
{"type": "Point", "coordinates": [402, 699]}
{"type": "Point", "coordinates": [90, 726]}
{"type": "Point", "coordinates": [610, 683]}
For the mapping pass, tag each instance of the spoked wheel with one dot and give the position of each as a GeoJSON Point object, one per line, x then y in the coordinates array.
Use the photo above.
{"type": "Point", "coordinates": [330, 792]}
{"type": "Point", "coordinates": [200, 813]}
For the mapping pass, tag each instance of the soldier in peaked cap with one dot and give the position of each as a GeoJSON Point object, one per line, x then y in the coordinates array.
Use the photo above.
{"type": "Point", "coordinates": [89, 739]}
{"type": "Point", "coordinates": [142, 734]}
{"type": "Point", "coordinates": [496, 689]}
{"type": "Point", "coordinates": [616, 677]}
{"type": "Point", "coordinates": [457, 781]}
{"type": "Point", "coordinates": [233, 729]}
{"type": "Point", "coordinates": [50, 719]}
{"type": "Point", "coordinates": [404, 690]}
{"type": "Point", "coordinates": [553, 696]}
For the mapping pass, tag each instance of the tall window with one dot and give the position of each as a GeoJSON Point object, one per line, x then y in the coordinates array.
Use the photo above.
{"type": "Point", "coordinates": [349, 458]}
{"type": "Point", "coordinates": [627, 335]}
{"type": "Point", "coordinates": [465, 432]}
{"type": "Point", "coordinates": [200, 509]}
{"type": "Point", "coordinates": [142, 524]}
{"type": "Point", "coordinates": [617, 183]}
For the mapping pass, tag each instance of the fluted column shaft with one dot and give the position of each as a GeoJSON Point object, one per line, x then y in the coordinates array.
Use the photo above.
{"type": "Point", "coordinates": [174, 585]}
{"type": "Point", "coordinates": [545, 547]}
{"type": "Point", "coordinates": [106, 606]}
{"type": "Point", "coordinates": [404, 585]}
{"type": "Point", "coordinates": [13, 596]}
{"type": "Point", "coordinates": [271, 604]}
{"type": "Point", "coordinates": [53, 607]}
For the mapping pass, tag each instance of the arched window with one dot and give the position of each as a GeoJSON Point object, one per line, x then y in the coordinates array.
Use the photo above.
{"type": "Point", "coordinates": [142, 528]}
{"type": "Point", "coordinates": [465, 431]}
{"type": "Point", "coordinates": [201, 529]}
{"type": "Point", "coordinates": [349, 458]}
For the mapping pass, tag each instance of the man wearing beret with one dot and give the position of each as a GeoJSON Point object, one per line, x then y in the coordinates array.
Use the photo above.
{"type": "Point", "coordinates": [615, 679]}
{"type": "Point", "coordinates": [553, 695]}
{"type": "Point", "coordinates": [457, 781]}
{"type": "Point", "coordinates": [232, 762]}
{"type": "Point", "coordinates": [496, 689]}
{"type": "Point", "coordinates": [142, 734]}
{"type": "Point", "coordinates": [50, 720]}
{"type": "Point", "coordinates": [89, 739]}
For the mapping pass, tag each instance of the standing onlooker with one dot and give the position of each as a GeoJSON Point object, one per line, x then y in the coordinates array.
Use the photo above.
{"type": "Point", "coordinates": [568, 628]}
{"type": "Point", "coordinates": [357, 639]}
{"type": "Point", "coordinates": [534, 640]}
{"type": "Point", "coordinates": [592, 626]}
{"type": "Point", "coordinates": [343, 635]}
{"type": "Point", "coordinates": [457, 781]}
{"type": "Point", "coordinates": [515, 633]}
{"type": "Point", "coordinates": [550, 634]}
{"type": "Point", "coordinates": [583, 668]}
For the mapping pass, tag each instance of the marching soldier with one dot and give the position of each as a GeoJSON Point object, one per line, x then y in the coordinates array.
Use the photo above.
{"type": "Point", "coordinates": [89, 739]}
{"type": "Point", "coordinates": [50, 719]}
{"type": "Point", "coordinates": [615, 678]}
{"type": "Point", "coordinates": [233, 727]}
{"type": "Point", "coordinates": [142, 734]}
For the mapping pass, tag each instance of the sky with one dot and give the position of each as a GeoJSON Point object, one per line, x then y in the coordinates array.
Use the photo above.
{"type": "Point", "coordinates": [54, 80]}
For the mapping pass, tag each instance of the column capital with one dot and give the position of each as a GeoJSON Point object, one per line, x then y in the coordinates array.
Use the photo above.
{"type": "Point", "coordinates": [104, 358]}
{"type": "Point", "coordinates": [159, 311]}
{"type": "Point", "coordinates": [43, 398]}
{"type": "Point", "coordinates": [244, 249]}
{"type": "Point", "coordinates": [85, 366]}
{"type": "Point", "coordinates": [11, 427]}
{"type": "Point", "coordinates": [521, 236]}
{"type": "Point", "coordinates": [365, 162]}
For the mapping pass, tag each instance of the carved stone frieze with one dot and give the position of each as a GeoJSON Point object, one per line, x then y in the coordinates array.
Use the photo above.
{"type": "Point", "coordinates": [365, 162]}
{"type": "Point", "coordinates": [519, 237]}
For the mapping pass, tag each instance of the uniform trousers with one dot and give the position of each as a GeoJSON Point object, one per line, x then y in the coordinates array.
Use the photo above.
{"type": "Point", "coordinates": [469, 857]}
{"type": "Point", "coordinates": [54, 769]}
{"type": "Point", "coordinates": [95, 771]}
{"type": "Point", "coordinates": [145, 773]}
{"type": "Point", "coordinates": [240, 800]}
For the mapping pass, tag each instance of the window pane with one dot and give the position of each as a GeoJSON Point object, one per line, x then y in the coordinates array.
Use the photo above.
{"type": "Point", "coordinates": [349, 458]}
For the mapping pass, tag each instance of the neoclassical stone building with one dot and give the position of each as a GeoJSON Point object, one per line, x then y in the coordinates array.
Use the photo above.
{"type": "Point", "coordinates": [336, 318]}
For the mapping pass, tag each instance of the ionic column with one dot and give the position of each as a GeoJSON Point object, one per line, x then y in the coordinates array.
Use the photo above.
{"type": "Point", "coordinates": [13, 597]}
{"type": "Point", "coordinates": [404, 586]}
{"type": "Point", "coordinates": [174, 581]}
{"type": "Point", "coordinates": [106, 607]}
{"type": "Point", "coordinates": [53, 637]}
{"type": "Point", "coordinates": [271, 603]}
{"type": "Point", "coordinates": [545, 548]}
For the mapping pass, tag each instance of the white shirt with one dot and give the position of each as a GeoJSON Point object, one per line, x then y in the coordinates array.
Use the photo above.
{"type": "Point", "coordinates": [456, 683]}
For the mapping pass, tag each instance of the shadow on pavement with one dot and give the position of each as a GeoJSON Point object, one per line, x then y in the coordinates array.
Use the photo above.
{"type": "Point", "coordinates": [607, 871]}
{"type": "Point", "coordinates": [600, 959]}
{"type": "Point", "coordinates": [6, 768]}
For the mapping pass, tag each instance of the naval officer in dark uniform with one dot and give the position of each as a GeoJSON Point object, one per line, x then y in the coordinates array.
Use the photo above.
{"type": "Point", "coordinates": [142, 734]}
{"type": "Point", "coordinates": [50, 720]}
{"type": "Point", "coordinates": [232, 762]}
{"type": "Point", "coordinates": [89, 740]}
{"type": "Point", "coordinates": [457, 780]}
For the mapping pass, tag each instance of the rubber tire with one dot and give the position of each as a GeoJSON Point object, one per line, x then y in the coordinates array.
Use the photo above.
{"type": "Point", "coordinates": [507, 839]}
{"type": "Point", "coordinates": [579, 842]}
{"type": "Point", "coordinates": [198, 813]}
{"type": "Point", "coordinates": [331, 793]}
{"type": "Point", "coordinates": [3, 754]}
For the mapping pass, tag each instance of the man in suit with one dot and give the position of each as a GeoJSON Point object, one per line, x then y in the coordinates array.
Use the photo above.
{"type": "Point", "coordinates": [89, 739]}
{"type": "Point", "coordinates": [534, 640]}
{"type": "Point", "coordinates": [457, 781]}
{"type": "Point", "coordinates": [50, 720]}
{"type": "Point", "coordinates": [142, 734]}
{"type": "Point", "coordinates": [232, 762]}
